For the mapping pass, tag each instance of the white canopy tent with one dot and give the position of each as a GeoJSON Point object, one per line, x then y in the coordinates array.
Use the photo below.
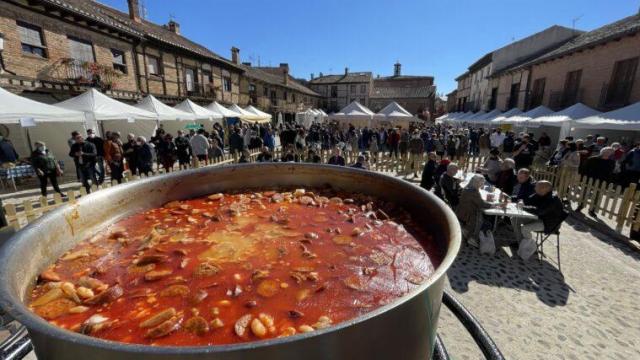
{"type": "Point", "coordinates": [525, 119]}
{"type": "Point", "coordinates": [461, 118]}
{"type": "Point", "coordinates": [394, 115]}
{"type": "Point", "coordinates": [354, 113]}
{"type": "Point", "coordinates": [504, 116]}
{"type": "Point", "coordinates": [558, 124]}
{"type": "Point", "coordinates": [475, 117]}
{"type": "Point", "coordinates": [626, 118]}
{"type": "Point", "coordinates": [170, 119]}
{"type": "Point", "coordinates": [244, 114]}
{"type": "Point", "coordinates": [306, 118]}
{"type": "Point", "coordinates": [215, 107]}
{"type": "Point", "coordinates": [484, 119]}
{"type": "Point", "coordinates": [112, 114]}
{"type": "Point", "coordinates": [261, 116]}
{"type": "Point", "coordinates": [43, 122]}
{"type": "Point", "coordinates": [618, 125]}
{"type": "Point", "coordinates": [200, 113]}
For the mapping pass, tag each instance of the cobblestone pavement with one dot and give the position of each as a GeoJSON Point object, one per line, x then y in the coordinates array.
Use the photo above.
{"type": "Point", "coordinates": [532, 311]}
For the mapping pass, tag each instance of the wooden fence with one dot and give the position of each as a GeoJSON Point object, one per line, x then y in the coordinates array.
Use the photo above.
{"type": "Point", "coordinates": [620, 205]}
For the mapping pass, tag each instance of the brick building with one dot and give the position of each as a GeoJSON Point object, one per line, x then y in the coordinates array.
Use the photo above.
{"type": "Point", "coordinates": [57, 49]}
{"type": "Point", "coordinates": [598, 68]}
{"type": "Point", "coordinates": [414, 93]}
{"type": "Point", "coordinates": [339, 91]}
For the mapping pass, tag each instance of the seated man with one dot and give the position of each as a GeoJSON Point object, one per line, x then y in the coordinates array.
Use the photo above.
{"type": "Point", "coordinates": [469, 212]}
{"type": "Point", "coordinates": [360, 163]}
{"type": "Point", "coordinates": [337, 158]}
{"type": "Point", "coordinates": [548, 207]}
{"type": "Point", "coordinates": [451, 186]}
{"type": "Point", "coordinates": [524, 187]}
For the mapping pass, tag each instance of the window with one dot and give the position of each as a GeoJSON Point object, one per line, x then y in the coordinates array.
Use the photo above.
{"type": "Point", "coordinates": [286, 96]}
{"type": "Point", "coordinates": [363, 89]}
{"type": "Point", "coordinates": [537, 93]}
{"type": "Point", "coordinates": [190, 79]}
{"type": "Point", "coordinates": [207, 76]}
{"type": "Point", "coordinates": [571, 88]}
{"type": "Point", "coordinates": [252, 88]}
{"type": "Point", "coordinates": [334, 91]}
{"type": "Point", "coordinates": [265, 91]}
{"type": "Point", "coordinates": [513, 96]}
{"type": "Point", "coordinates": [621, 82]}
{"type": "Point", "coordinates": [119, 62]}
{"type": "Point", "coordinates": [81, 50]}
{"type": "Point", "coordinates": [153, 65]}
{"type": "Point", "coordinates": [293, 98]}
{"type": "Point", "coordinates": [494, 98]}
{"type": "Point", "coordinates": [226, 83]}
{"type": "Point", "coordinates": [352, 89]}
{"type": "Point", "coordinates": [274, 96]}
{"type": "Point", "coordinates": [31, 39]}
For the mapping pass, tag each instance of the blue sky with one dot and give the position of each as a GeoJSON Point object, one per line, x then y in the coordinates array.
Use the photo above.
{"type": "Point", "coordinates": [439, 38]}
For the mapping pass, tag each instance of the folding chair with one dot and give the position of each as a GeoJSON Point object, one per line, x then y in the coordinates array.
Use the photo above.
{"type": "Point", "coordinates": [542, 237]}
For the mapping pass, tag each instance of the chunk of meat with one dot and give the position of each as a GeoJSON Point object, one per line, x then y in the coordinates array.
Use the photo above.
{"type": "Point", "coordinates": [164, 329]}
{"type": "Point", "coordinates": [197, 325]}
{"type": "Point", "coordinates": [107, 296]}
{"type": "Point", "coordinates": [158, 318]}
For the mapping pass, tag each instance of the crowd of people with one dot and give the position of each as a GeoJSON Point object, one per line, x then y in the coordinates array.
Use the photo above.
{"type": "Point", "coordinates": [433, 150]}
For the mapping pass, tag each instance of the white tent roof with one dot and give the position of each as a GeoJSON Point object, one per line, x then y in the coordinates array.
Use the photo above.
{"type": "Point", "coordinates": [163, 111]}
{"type": "Point", "coordinates": [394, 111]}
{"type": "Point", "coordinates": [626, 118]}
{"type": "Point", "coordinates": [324, 114]}
{"type": "Point", "coordinates": [221, 110]}
{"type": "Point", "coordinates": [573, 112]}
{"type": "Point", "coordinates": [484, 118]}
{"type": "Point", "coordinates": [354, 110]}
{"type": "Point", "coordinates": [526, 117]}
{"type": "Point", "coordinates": [244, 114]}
{"type": "Point", "coordinates": [475, 117]}
{"type": "Point", "coordinates": [15, 107]}
{"type": "Point", "coordinates": [98, 106]}
{"type": "Point", "coordinates": [500, 119]}
{"type": "Point", "coordinates": [261, 116]}
{"type": "Point", "coordinates": [198, 111]}
{"type": "Point", "coordinates": [463, 116]}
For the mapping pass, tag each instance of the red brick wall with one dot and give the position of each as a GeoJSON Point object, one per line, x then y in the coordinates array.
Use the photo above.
{"type": "Point", "coordinates": [55, 32]}
{"type": "Point", "coordinates": [597, 66]}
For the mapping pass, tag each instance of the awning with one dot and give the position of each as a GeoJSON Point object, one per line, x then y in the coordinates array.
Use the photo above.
{"type": "Point", "coordinates": [163, 111]}
{"type": "Point", "coordinates": [15, 107]}
{"type": "Point", "coordinates": [199, 112]}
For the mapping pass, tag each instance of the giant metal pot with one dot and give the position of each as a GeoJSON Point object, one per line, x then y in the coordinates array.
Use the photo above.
{"type": "Point", "coordinates": [402, 330]}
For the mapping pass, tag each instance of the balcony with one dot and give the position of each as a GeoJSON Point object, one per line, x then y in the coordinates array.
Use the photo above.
{"type": "Point", "coordinates": [615, 97]}
{"type": "Point", "coordinates": [84, 73]}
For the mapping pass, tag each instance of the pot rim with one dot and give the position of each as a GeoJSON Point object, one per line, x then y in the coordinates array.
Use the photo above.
{"type": "Point", "coordinates": [16, 308]}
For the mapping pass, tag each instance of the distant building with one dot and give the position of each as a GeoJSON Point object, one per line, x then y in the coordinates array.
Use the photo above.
{"type": "Point", "coordinates": [452, 101]}
{"type": "Point", "coordinates": [598, 68]}
{"type": "Point", "coordinates": [340, 90]}
{"type": "Point", "coordinates": [474, 90]}
{"type": "Point", "coordinates": [414, 93]}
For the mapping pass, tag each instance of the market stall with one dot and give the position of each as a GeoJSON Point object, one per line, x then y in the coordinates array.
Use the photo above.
{"type": "Point", "coordinates": [24, 121]}
{"type": "Point", "coordinates": [393, 115]}
{"type": "Point", "coordinates": [203, 116]}
{"type": "Point", "coordinates": [355, 114]}
{"type": "Point", "coordinates": [260, 116]}
{"type": "Point", "coordinates": [618, 125]}
{"type": "Point", "coordinates": [169, 118]}
{"type": "Point", "coordinates": [558, 124]}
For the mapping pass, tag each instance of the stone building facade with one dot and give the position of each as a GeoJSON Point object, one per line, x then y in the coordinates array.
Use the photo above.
{"type": "Point", "coordinates": [598, 68]}
{"type": "Point", "coordinates": [414, 93]}
{"type": "Point", "coordinates": [339, 91]}
{"type": "Point", "coordinates": [57, 49]}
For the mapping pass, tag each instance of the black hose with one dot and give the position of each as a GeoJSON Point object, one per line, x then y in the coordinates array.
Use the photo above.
{"type": "Point", "coordinates": [439, 351]}
{"type": "Point", "coordinates": [479, 334]}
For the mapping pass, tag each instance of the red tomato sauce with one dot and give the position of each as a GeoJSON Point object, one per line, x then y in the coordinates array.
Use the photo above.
{"type": "Point", "coordinates": [237, 267]}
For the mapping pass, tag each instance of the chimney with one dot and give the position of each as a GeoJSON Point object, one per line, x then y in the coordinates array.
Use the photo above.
{"type": "Point", "coordinates": [246, 64]}
{"type": "Point", "coordinates": [174, 27]}
{"type": "Point", "coordinates": [397, 69]}
{"type": "Point", "coordinates": [134, 10]}
{"type": "Point", "coordinates": [235, 55]}
{"type": "Point", "coordinates": [285, 72]}
{"type": "Point", "coordinates": [346, 71]}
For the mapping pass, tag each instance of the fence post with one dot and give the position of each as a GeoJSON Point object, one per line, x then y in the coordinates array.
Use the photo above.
{"type": "Point", "coordinates": [625, 206]}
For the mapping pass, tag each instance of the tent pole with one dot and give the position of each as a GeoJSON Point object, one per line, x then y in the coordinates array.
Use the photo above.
{"type": "Point", "coordinates": [29, 140]}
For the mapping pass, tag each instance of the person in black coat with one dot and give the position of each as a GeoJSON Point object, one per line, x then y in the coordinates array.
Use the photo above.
{"type": "Point", "coordinates": [98, 142]}
{"type": "Point", "coordinates": [451, 186]}
{"type": "Point", "coordinates": [145, 157]}
{"type": "Point", "coordinates": [506, 178]}
{"type": "Point", "coordinates": [524, 187]}
{"type": "Point", "coordinates": [84, 154]}
{"type": "Point", "coordinates": [428, 173]}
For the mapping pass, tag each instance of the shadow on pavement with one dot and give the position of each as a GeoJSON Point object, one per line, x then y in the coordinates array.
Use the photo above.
{"type": "Point", "coordinates": [503, 270]}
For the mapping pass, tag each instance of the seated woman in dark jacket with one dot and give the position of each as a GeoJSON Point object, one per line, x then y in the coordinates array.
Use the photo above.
{"type": "Point", "coordinates": [506, 178]}
{"type": "Point", "coordinates": [451, 186]}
